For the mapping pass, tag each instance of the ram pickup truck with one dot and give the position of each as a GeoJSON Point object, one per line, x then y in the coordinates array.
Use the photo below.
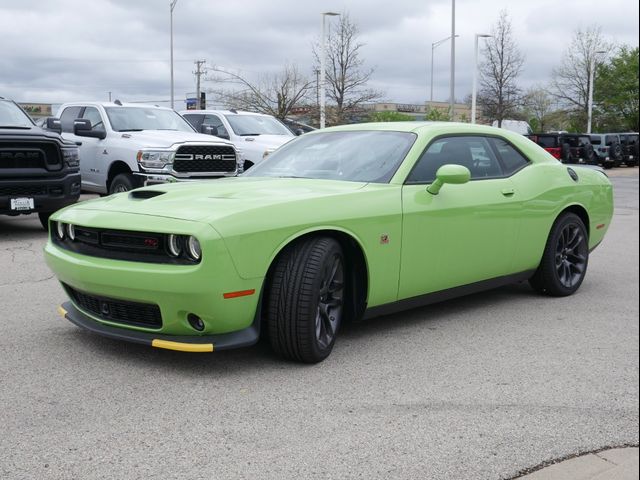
{"type": "Point", "coordinates": [38, 169]}
{"type": "Point", "coordinates": [255, 134]}
{"type": "Point", "coordinates": [125, 146]}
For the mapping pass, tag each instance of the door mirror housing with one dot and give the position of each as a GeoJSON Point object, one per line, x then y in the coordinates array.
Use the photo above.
{"type": "Point", "coordinates": [208, 129]}
{"type": "Point", "coordinates": [453, 174]}
{"type": "Point", "coordinates": [82, 128]}
{"type": "Point", "coordinates": [299, 131]}
{"type": "Point", "coordinates": [54, 125]}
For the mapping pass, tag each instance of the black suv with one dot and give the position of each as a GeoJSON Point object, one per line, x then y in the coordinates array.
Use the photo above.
{"type": "Point", "coordinates": [38, 169]}
{"type": "Point", "coordinates": [629, 144]}
{"type": "Point", "coordinates": [567, 147]}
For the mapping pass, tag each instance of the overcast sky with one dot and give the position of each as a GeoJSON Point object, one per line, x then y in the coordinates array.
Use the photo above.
{"type": "Point", "coordinates": [67, 50]}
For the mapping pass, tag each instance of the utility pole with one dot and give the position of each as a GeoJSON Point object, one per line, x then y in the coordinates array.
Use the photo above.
{"type": "Point", "coordinates": [200, 70]}
{"type": "Point", "coordinates": [452, 87]}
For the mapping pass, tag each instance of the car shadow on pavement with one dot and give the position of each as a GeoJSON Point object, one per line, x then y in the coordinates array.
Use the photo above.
{"type": "Point", "coordinates": [261, 357]}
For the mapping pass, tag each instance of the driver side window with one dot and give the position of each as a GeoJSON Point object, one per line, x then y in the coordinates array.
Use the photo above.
{"type": "Point", "coordinates": [93, 115]}
{"type": "Point", "coordinates": [216, 122]}
{"type": "Point", "coordinates": [473, 152]}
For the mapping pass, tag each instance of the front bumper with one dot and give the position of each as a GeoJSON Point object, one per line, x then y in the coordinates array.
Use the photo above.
{"type": "Point", "coordinates": [51, 194]}
{"type": "Point", "coordinates": [148, 179]}
{"type": "Point", "coordinates": [182, 343]}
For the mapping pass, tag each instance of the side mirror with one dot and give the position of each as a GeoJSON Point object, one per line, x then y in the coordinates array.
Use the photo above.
{"type": "Point", "coordinates": [208, 129]}
{"type": "Point", "coordinates": [54, 125]}
{"type": "Point", "coordinates": [82, 128]}
{"type": "Point", "coordinates": [299, 131]}
{"type": "Point", "coordinates": [453, 174]}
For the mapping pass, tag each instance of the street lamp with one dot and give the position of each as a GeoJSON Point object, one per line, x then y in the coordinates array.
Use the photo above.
{"type": "Point", "coordinates": [475, 77]}
{"type": "Point", "coordinates": [592, 68]}
{"type": "Point", "coordinates": [172, 5]}
{"type": "Point", "coordinates": [452, 86]}
{"type": "Point", "coordinates": [433, 47]}
{"type": "Point", "coordinates": [322, 68]}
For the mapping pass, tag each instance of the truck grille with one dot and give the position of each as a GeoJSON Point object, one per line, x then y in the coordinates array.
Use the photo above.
{"type": "Point", "coordinates": [22, 191]}
{"type": "Point", "coordinates": [119, 311]}
{"type": "Point", "coordinates": [214, 159]}
{"type": "Point", "coordinates": [16, 154]}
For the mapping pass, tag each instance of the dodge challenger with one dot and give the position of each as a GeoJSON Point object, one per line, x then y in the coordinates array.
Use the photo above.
{"type": "Point", "coordinates": [340, 224]}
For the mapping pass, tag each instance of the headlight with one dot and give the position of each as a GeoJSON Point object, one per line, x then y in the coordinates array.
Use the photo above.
{"type": "Point", "coordinates": [174, 244]}
{"type": "Point", "coordinates": [71, 231]}
{"type": "Point", "coordinates": [193, 248]}
{"type": "Point", "coordinates": [71, 157]}
{"type": "Point", "coordinates": [60, 230]}
{"type": "Point", "coordinates": [155, 158]}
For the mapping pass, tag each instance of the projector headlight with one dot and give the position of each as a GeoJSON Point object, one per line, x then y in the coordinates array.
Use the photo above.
{"type": "Point", "coordinates": [157, 159]}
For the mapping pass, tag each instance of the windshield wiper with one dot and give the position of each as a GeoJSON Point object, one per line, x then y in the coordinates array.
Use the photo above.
{"type": "Point", "coordinates": [250, 134]}
{"type": "Point", "coordinates": [132, 130]}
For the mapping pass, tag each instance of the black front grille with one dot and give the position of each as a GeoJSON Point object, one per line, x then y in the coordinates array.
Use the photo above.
{"type": "Point", "coordinates": [16, 154]}
{"type": "Point", "coordinates": [22, 191]}
{"type": "Point", "coordinates": [149, 247]}
{"type": "Point", "coordinates": [205, 158]}
{"type": "Point", "coordinates": [114, 310]}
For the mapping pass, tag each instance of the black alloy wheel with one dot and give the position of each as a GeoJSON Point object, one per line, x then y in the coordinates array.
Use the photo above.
{"type": "Point", "coordinates": [565, 258]}
{"type": "Point", "coordinates": [305, 299]}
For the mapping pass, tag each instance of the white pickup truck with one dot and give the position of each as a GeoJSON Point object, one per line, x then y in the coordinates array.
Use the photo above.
{"type": "Point", "coordinates": [125, 146]}
{"type": "Point", "coordinates": [255, 134]}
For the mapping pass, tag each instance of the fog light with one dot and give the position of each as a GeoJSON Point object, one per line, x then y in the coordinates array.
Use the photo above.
{"type": "Point", "coordinates": [195, 322]}
{"type": "Point", "coordinates": [175, 245]}
{"type": "Point", "coordinates": [60, 230]}
{"type": "Point", "coordinates": [71, 231]}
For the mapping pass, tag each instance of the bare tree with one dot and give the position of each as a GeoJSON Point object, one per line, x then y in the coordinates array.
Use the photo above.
{"type": "Point", "coordinates": [539, 105]}
{"type": "Point", "coordinates": [570, 81]}
{"type": "Point", "coordinates": [346, 75]}
{"type": "Point", "coordinates": [274, 94]}
{"type": "Point", "coordinates": [499, 94]}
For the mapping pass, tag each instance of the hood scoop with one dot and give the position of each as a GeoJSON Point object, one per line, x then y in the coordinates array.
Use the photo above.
{"type": "Point", "coordinates": [144, 194]}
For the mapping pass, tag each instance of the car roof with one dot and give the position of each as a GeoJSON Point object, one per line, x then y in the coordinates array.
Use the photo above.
{"type": "Point", "coordinates": [224, 112]}
{"type": "Point", "coordinates": [113, 104]}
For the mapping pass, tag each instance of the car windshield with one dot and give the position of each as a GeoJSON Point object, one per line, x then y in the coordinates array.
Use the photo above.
{"type": "Point", "coordinates": [357, 156]}
{"type": "Point", "coordinates": [131, 119]}
{"type": "Point", "coordinates": [246, 125]}
{"type": "Point", "coordinates": [11, 116]}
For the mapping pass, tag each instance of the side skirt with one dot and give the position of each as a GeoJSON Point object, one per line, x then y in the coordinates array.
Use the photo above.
{"type": "Point", "coordinates": [443, 295]}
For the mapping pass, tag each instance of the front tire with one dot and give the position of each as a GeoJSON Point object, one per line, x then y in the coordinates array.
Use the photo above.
{"type": "Point", "coordinates": [123, 182]}
{"type": "Point", "coordinates": [306, 299]}
{"type": "Point", "coordinates": [565, 258]}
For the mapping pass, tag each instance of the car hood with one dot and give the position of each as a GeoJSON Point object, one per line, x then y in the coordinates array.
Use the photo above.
{"type": "Point", "coordinates": [209, 201]}
{"type": "Point", "coordinates": [167, 138]}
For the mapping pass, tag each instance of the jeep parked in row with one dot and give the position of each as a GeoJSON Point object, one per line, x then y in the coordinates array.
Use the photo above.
{"type": "Point", "coordinates": [125, 146]}
{"type": "Point", "coordinates": [567, 147]}
{"type": "Point", "coordinates": [38, 169]}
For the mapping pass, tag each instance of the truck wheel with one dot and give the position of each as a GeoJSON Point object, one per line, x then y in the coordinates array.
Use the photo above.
{"type": "Point", "coordinates": [44, 219]}
{"type": "Point", "coordinates": [123, 182]}
{"type": "Point", "coordinates": [305, 300]}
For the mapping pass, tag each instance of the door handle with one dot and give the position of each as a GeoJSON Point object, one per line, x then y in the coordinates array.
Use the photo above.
{"type": "Point", "coordinates": [507, 192]}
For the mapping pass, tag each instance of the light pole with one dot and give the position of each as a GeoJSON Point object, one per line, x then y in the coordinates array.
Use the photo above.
{"type": "Point", "coordinates": [172, 5]}
{"type": "Point", "coordinates": [452, 87]}
{"type": "Point", "coordinates": [475, 77]}
{"type": "Point", "coordinates": [592, 68]}
{"type": "Point", "coordinates": [433, 47]}
{"type": "Point", "coordinates": [322, 68]}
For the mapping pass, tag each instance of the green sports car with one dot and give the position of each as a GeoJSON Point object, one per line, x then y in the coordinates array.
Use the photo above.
{"type": "Point", "coordinates": [339, 224]}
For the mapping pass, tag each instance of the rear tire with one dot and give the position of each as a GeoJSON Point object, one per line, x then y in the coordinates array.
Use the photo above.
{"type": "Point", "coordinates": [123, 182]}
{"type": "Point", "coordinates": [565, 258]}
{"type": "Point", "coordinates": [306, 299]}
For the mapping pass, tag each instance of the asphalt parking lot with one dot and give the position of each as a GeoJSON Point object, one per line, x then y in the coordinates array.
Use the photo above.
{"type": "Point", "coordinates": [482, 387]}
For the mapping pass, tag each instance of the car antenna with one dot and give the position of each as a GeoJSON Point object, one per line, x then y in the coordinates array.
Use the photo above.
{"type": "Point", "coordinates": [117, 102]}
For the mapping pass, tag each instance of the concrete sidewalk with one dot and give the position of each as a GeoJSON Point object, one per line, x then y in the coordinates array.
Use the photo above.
{"type": "Point", "coordinates": [614, 464]}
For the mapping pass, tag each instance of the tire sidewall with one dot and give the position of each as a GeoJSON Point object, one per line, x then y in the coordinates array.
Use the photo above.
{"type": "Point", "coordinates": [121, 179]}
{"type": "Point", "coordinates": [564, 221]}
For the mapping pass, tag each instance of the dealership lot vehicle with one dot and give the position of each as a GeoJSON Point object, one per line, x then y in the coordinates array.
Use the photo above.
{"type": "Point", "coordinates": [608, 149]}
{"type": "Point", "coordinates": [38, 169]}
{"type": "Point", "coordinates": [337, 225]}
{"type": "Point", "coordinates": [567, 147]}
{"type": "Point", "coordinates": [256, 135]}
{"type": "Point", "coordinates": [124, 146]}
{"type": "Point", "coordinates": [629, 143]}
